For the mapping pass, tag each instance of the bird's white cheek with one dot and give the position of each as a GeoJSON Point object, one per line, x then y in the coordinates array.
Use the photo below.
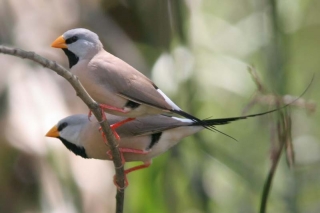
{"type": "Point", "coordinates": [82, 48]}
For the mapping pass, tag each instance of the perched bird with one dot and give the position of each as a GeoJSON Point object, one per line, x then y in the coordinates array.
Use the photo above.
{"type": "Point", "coordinates": [118, 87]}
{"type": "Point", "coordinates": [141, 139]}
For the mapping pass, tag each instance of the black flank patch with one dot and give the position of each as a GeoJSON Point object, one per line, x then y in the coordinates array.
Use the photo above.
{"type": "Point", "coordinates": [77, 150]}
{"type": "Point", "coordinates": [72, 58]}
{"type": "Point", "coordinates": [132, 105]}
{"type": "Point", "coordinates": [154, 139]}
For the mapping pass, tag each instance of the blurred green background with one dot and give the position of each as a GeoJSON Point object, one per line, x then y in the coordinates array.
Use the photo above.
{"type": "Point", "coordinates": [198, 52]}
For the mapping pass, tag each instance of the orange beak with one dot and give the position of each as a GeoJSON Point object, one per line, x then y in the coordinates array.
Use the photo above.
{"type": "Point", "coordinates": [60, 42]}
{"type": "Point", "coordinates": [53, 132]}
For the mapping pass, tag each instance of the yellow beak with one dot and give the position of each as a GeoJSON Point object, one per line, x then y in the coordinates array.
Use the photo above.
{"type": "Point", "coordinates": [53, 132]}
{"type": "Point", "coordinates": [60, 42]}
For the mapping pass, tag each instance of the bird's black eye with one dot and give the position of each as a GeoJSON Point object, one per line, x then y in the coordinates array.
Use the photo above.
{"type": "Point", "coordinates": [72, 40]}
{"type": "Point", "coordinates": [62, 126]}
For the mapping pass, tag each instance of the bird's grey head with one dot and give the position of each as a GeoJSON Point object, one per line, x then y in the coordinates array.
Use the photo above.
{"type": "Point", "coordinates": [82, 42]}
{"type": "Point", "coordinates": [70, 128]}
{"type": "Point", "coordinates": [69, 131]}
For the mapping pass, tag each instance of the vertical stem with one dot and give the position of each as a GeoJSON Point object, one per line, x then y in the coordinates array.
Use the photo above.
{"type": "Point", "coordinates": [275, 55]}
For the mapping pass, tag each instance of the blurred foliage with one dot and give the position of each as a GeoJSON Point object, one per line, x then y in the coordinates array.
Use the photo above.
{"type": "Point", "coordinates": [198, 52]}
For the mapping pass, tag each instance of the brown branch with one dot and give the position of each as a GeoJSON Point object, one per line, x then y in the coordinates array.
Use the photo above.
{"type": "Point", "coordinates": [93, 106]}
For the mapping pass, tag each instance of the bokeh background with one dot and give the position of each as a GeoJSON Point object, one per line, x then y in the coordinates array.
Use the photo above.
{"type": "Point", "coordinates": [198, 52]}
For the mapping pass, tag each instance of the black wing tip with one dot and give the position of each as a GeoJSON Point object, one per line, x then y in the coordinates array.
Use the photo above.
{"type": "Point", "coordinates": [185, 114]}
{"type": "Point", "coordinates": [196, 121]}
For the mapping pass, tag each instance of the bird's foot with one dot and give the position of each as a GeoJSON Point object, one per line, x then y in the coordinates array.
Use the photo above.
{"type": "Point", "coordinates": [115, 134]}
{"type": "Point", "coordinates": [102, 114]}
{"type": "Point", "coordinates": [126, 183]}
{"type": "Point", "coordinates": [103, 136]}
{"type": "Point", "coordinates": [89, 114]}
{"type": "Point", "coordinates": [127, 171]}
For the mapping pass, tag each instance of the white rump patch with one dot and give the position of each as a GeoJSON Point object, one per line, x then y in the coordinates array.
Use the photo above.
{"type": "Point", "coordinates": [184, 120]}
{"type": "Point", "coordinates": [173, 105]}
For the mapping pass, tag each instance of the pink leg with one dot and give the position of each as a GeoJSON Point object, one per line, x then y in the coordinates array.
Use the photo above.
{"type": "Point", "coordinates": [128, 150]}
{"type": "Point", "coordinates": [116, 125]}
{"type": "Point", "coordinates": [104, 106]}
{"type": "Point", "coordinates": [135, 168]}
{"type": "Point", "coordinates": [127, 171]}
{"type": "Point", "coordinates": [136, 151]}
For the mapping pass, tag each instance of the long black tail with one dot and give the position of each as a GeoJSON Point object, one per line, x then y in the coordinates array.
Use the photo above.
{"type": "Point", "coordinates": [221, 121]}
{"type": "Point", "coordinates": [211, 123]}
{"type": "Point", "coordinates": [196, 120]}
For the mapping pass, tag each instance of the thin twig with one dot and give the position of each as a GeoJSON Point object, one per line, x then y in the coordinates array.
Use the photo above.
{"type": "Point", "coordinates": [261, 96]}
{"type": "Point", "coordinates": [93, 106]}
{"type": "Point", "coordinates": [283, 129]}
{"type": "Point", "coordinates": [284, 137]}
{"type": "Point", "coordinates": [290, 156]}
{"type": "Point", "coordinates": [271, 100]}
{"type": "Point", "coordinates": [255, 77]}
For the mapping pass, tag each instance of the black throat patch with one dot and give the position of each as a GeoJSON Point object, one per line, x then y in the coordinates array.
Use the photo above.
{"type": "Point", "coordinates": [73, 59]}
{"type": "Point", "coordinates": [74, 148]}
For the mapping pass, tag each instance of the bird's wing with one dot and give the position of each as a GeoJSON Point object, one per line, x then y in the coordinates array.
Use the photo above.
{"type": "Point", "coordinates": [121, 78]}
{"type": "Point", "coordinates": [148, 125]}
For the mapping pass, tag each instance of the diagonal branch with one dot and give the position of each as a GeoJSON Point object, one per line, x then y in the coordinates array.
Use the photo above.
{"type": "Point", "coordinates": [93, 106]}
